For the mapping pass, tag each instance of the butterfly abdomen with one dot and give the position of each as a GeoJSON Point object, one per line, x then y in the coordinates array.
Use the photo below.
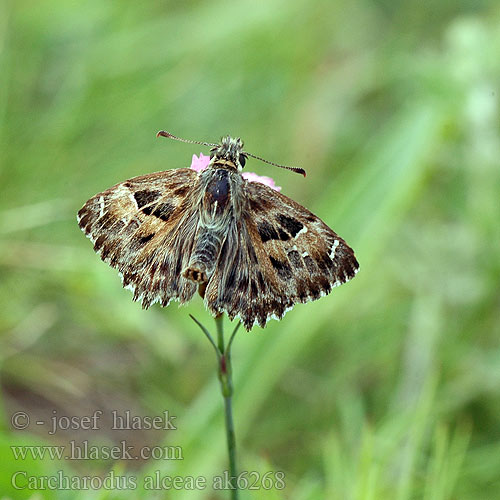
{"type": "Point", "coordinates": [204, 256]}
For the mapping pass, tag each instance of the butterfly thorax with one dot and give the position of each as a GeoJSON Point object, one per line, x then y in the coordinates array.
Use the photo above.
{"type": "Point", "coordinates": [220, 200]}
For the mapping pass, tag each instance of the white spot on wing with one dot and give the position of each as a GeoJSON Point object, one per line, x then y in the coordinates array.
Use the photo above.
{"type": "Point", "coordinates": [101, 206]}
{"type": "Point", "coordinates": [302, 231]}
{"type": "Point", "coordinates": [334, 249]}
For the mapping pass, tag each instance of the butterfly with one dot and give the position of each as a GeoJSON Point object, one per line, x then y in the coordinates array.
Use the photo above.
{"type": "Point", "coordinates": [249, 250]}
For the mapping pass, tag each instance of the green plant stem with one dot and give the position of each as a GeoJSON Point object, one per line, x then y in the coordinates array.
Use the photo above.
{"type": "Point", "coordinates": [225, 377]}
{"type": "Point", "coordinates": [224, 372]}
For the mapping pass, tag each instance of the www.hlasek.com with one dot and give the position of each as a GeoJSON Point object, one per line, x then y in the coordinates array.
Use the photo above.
{"type": "Point", "coordinates": [22, 480]}
{"type": "Point", "coordinates": [85, 451]}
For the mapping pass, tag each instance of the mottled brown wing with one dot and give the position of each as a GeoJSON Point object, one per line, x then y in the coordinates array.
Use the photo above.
{"type": "Point", "coordinates": [145, 227]}
{"type": "Point", "coordinates": [277, 255]}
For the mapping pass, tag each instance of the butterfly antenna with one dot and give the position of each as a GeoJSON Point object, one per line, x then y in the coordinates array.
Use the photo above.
{"type": "Point", "coordinates": [297, 170]}
{"type": "Point", "coordinates": [164, 133]}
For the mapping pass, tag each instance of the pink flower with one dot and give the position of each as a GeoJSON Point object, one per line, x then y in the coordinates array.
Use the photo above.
{"type": "Point", "coordinates": [201, 163]}
{"type": "Point", "coordinates": [253, 177]}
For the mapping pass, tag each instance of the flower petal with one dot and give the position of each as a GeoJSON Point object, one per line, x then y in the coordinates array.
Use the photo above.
{"type": "Point", "coordinates": [263, 179]}
{"type": "Point", "coordinates": [202, 162]}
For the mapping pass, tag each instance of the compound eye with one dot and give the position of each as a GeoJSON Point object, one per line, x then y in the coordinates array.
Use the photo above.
{"type": "Point", "coordinates": [242, 160]}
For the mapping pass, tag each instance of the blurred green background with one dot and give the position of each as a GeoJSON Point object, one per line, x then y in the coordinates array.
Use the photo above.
{"type": "Point", "coordinates": [389, 388]}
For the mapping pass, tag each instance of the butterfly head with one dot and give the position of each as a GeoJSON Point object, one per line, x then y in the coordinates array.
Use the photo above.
{"type": "Point", "coordinates": [229, 150]}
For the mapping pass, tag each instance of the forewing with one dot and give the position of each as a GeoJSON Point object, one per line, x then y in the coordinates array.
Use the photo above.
{"type": "Point", "coordinates": [277, 254]}
{"type": "Point", "coordinates": [144, 227]}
